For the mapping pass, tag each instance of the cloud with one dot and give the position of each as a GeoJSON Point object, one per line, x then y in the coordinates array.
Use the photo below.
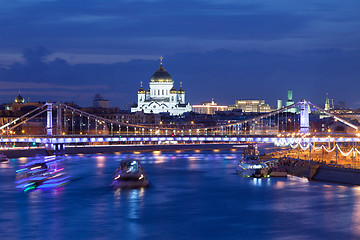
{"type": "Point", "coordinates": [32, 85]}
{"type": "Point", "coordinates": [147, 28]}
{"type": "Point", "coordinates": [221, 74]}
{"type": "Point", "coordinates": [36, 56]}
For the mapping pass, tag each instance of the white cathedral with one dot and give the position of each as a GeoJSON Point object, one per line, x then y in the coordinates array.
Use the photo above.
{"type": "Point", "coordinates": [162, 95]}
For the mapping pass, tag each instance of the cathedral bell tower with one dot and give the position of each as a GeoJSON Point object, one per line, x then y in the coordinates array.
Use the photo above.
{"type": "Point", "coordinates": [141, 93]}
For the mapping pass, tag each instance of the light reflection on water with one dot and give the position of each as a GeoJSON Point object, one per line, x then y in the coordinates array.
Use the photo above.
{"type": "Point", "coordinates": [191, 196]}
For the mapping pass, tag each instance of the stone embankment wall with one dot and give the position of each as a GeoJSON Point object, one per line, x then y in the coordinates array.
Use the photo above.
{"type": "Point", "coordinates": [316, 171]}
{"type": "Point", "coordinates": [337, 175]}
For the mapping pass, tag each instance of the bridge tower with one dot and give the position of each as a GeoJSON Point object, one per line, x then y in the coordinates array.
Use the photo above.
{"type": "Point", "coordinates": [304, 116]}
{"type": "Point", "coordinates": [49, 119]}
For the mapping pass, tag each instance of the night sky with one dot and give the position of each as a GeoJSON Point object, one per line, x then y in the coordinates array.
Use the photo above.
{"type": "Point", "coordinates": [69, 50]}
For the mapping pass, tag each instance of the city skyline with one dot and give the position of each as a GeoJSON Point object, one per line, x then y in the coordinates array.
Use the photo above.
{"type": "Point", "coordinates": [60, 50]}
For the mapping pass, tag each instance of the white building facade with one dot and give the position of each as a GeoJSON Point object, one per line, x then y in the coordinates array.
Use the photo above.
{"type": "Point", "coordinates": [161, 96]}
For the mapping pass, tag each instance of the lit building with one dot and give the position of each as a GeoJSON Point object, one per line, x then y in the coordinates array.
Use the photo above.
{"type": "Point", "coordinates": [99, 102]}
{"type": "Point", "coordinates": [327, 103]}
{"type": "Point", "coordinates": [20, 103]}
{"type": "Point", "coordinates": [251, 106]}
{"type": "Point", "coordinates": [208, 108]}
{"type": "Point", "coordinates": [290, 101]}
{"type": "Point", "coordinates": [161, 95]}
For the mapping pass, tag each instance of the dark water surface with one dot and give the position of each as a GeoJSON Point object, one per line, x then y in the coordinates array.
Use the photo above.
{"type": "Point", "coordinates": [193, 195]}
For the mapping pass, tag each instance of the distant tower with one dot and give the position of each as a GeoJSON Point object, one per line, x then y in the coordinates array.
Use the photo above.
{"type": "Point", "coordinates": [304, 116]}
{"type": "Point", "coordinates": [279, 103]}
{"type": "Point", "coordinates": [332, 104]}
{"type": "Point", "coordinates": [290, 101]}
{"type": "Point", "coordinates": [327, 103]}
{"type": "Point", "coordinates": [290, 93]}
{"type": "Point", "coordinates": [99, 102]}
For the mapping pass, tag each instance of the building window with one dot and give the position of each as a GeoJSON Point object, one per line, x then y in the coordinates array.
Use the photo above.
{"type": "Point", "coordinates": [163, 92]}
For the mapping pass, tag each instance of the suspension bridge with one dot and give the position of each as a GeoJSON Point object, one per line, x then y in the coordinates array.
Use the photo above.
{"type": "Point", "coordinates": [66, 125]}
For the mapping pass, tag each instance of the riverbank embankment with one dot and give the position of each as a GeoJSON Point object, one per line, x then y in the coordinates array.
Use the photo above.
{"type": "Point", "coordinates": [321, 171]}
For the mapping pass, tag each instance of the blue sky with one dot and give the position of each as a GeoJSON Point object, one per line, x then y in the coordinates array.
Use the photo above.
{"type": "Point", "coordinates": [69, 50]}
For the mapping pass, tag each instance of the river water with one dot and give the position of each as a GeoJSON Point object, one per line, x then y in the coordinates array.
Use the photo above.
{"type": "Point", "coordinates": [192, 195]}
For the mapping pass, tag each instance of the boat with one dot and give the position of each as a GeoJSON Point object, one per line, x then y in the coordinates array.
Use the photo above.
{"type": "Point", "coordinates": [42, 173]}
{"type": "Point", "coordinates": [3, 158]}
{"type": "Point", "coordinates": [130, 174]}
{"type": "Point", "coordinates": [250, 164]}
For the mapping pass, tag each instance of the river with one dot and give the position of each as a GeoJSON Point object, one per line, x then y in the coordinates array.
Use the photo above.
{"type": "Point", "coordinates": [192, 195]}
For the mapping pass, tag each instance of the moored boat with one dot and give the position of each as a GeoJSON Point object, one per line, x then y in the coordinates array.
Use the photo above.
{"type": "Point", "coordinates": [130, 174]}
{"type": "Point", "coordinates": [250, 164]}
{"type": "Point", "coordinates": [3, 158]}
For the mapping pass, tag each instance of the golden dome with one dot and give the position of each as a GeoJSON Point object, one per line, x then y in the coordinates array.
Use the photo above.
{"type": "Point", "coordinates": [181, 90]}
{"type": "Point", "coordinates": [141, 90]}
{"type": "Point", "coordinates": [161, 75]}
{"type": "Point", "coordinates": [173, 90]}
{"type": "Point", "coordinates": [19, 99]}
